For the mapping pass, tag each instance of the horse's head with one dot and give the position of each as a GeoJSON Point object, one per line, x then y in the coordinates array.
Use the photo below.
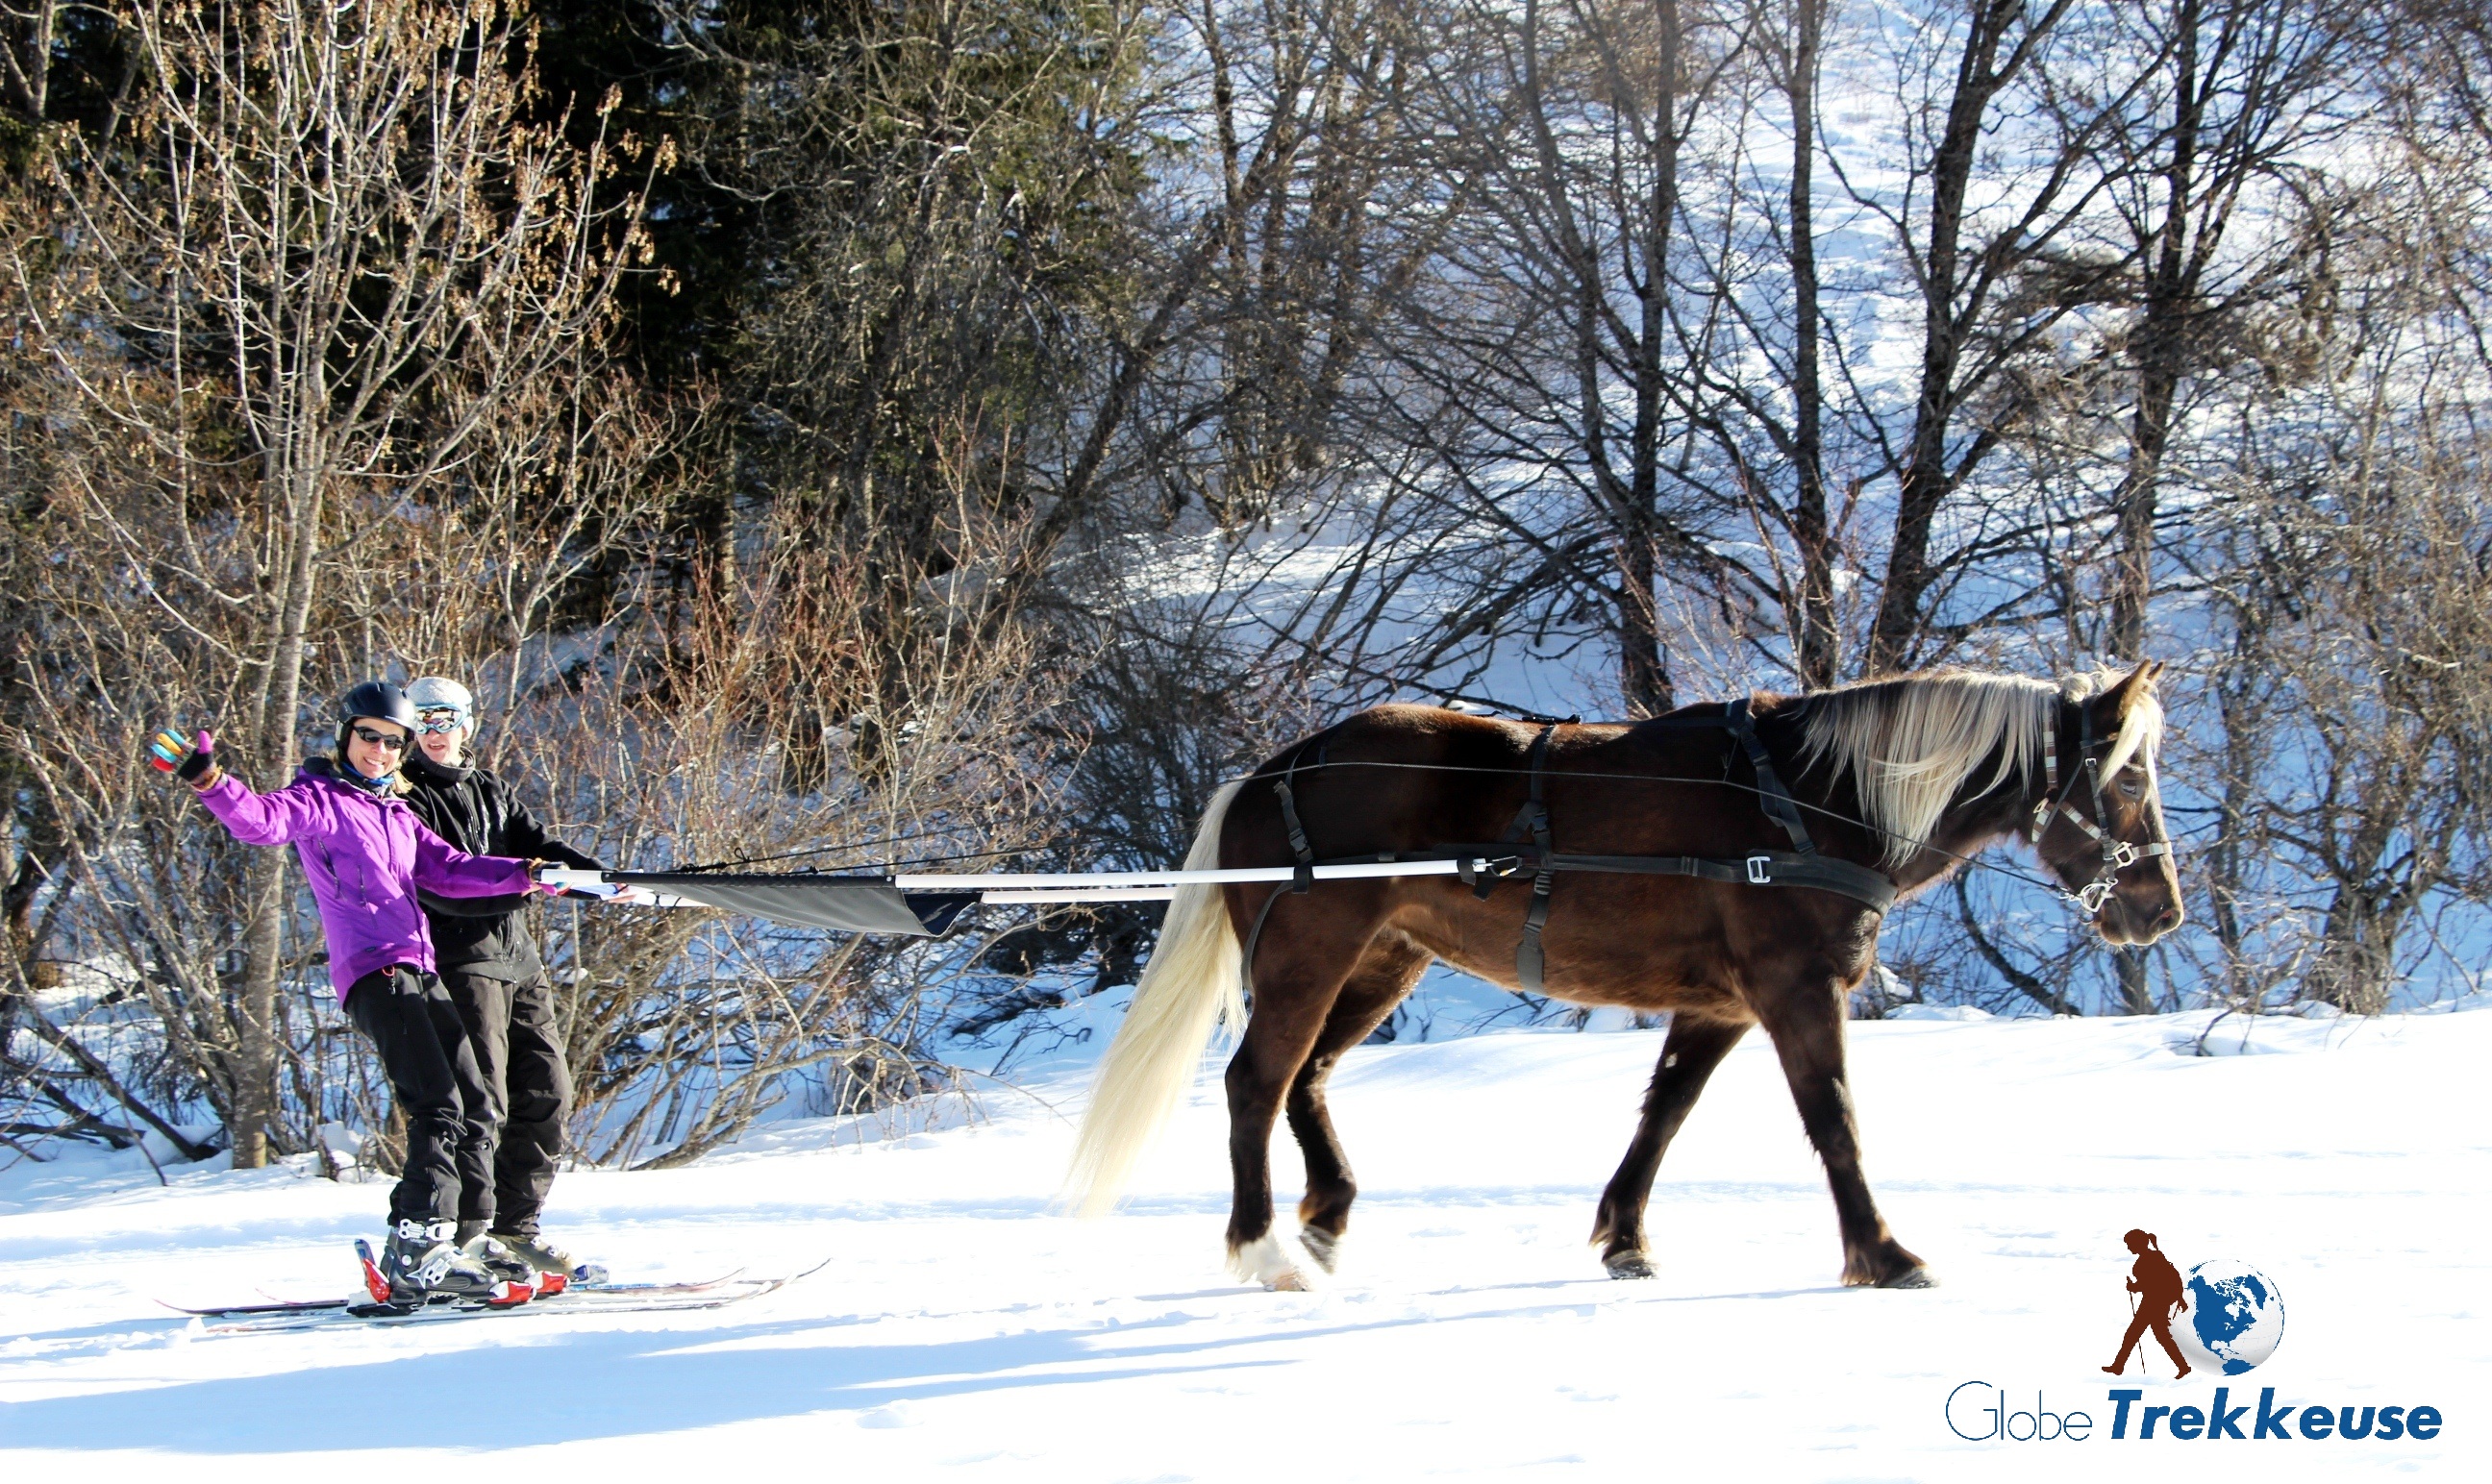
{"type": "Point", "coordinates": [2100, 824]}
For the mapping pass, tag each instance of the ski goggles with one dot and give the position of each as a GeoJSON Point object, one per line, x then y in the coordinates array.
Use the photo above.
{"type": "Point", "coordinates": [439, 724]}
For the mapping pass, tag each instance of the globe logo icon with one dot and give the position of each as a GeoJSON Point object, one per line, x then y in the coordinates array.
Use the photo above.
{"type": "Point", "coordinates": [2236, 1315]}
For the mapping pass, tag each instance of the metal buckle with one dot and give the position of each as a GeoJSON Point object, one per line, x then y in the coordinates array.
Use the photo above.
{"type": "Point", "coordinates": [2094, 896]}
{"type": "Point", "coordinates": [2123, 854]}
{"type": "Point", "coordinates": [1757, 872]}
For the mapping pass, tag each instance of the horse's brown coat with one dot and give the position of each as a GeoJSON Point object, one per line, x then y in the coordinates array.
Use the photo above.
{"type": "Point", "coordinates": [1332, 962]}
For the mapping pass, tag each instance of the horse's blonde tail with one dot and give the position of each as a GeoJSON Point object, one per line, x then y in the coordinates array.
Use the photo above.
{"type": "Point", "coordinates": [1190, 987]}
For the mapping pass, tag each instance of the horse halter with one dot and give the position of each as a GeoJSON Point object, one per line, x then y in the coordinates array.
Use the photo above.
{"type": "Point", "coordinates": [2118, 855]}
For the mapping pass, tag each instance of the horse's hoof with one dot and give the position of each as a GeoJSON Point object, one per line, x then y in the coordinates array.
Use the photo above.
{"type": "Point", "coordinates": [1322, 1246]}
{"type": "Point", "coordinates": [1627, 1264]}
{"type": "Point", "coordinates": [1262, 1261]}
{"type": "Point", "coordinates": [1888, 1265]}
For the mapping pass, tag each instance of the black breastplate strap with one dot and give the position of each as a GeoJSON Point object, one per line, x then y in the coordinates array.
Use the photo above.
{"type": "Point", "coordinates": [1778, 803]}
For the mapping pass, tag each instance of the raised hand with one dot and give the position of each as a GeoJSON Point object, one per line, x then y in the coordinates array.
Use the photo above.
{"type": "Point", "coordinates": [192, 761]}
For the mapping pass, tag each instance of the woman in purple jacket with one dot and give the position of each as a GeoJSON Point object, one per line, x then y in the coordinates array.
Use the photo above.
{"type": "Point", "coordinates": [366, 853]}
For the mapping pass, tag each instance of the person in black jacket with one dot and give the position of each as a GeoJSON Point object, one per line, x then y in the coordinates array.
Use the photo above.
{"type": "Point", "coordinates": [489, 960]}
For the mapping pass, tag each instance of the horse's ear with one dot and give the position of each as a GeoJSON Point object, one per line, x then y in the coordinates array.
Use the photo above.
{"type": "Point", "coordinates": [2134, 686]}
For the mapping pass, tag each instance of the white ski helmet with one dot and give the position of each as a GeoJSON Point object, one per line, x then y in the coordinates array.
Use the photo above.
{"type": "Point", "coordinates": [438, 693]}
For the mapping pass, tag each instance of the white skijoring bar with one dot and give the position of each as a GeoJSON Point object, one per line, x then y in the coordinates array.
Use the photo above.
{"type": "Point", "coordinates": [1027, 887]}
{"type": "Point", "coordinates": [927, 905]}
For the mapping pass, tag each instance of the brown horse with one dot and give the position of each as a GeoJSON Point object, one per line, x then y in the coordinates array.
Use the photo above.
{"type": "Point", "coordinates": [1908, 777]}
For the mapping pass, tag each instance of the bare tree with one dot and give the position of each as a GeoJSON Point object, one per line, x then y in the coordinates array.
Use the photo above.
{"type": "Point", "coordinates": [1990, 280]}
{"type": "Point", "coordinates": [1538, 357]}
{"type": "Point", "coordinates": [321, 251]}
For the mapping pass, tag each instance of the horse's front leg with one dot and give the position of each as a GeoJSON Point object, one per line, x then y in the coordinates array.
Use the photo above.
{"type": "Point", "coordinates": [1806, 1024]}
{"type": "Point", "coordinates": [1689, 1054]}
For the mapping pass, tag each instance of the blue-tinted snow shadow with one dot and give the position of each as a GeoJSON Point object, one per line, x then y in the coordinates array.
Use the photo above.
{"type": "Point", "coordinates": [559, 1389]}
{"type": "Point", "coordinates": [567, 1387]}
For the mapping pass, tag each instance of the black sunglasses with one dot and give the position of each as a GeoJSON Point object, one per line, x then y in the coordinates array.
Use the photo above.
{"type": "Point", "coordinates": [394, 741]}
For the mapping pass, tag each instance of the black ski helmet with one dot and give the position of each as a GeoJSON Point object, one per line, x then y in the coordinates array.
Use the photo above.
{"type": "Point", "coordinates": [378, 699]}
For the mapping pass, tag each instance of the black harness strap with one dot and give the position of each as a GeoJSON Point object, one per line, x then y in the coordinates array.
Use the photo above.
{"type": "Point", "coordinates": [1304, 882]}
{"type": "Point", "coordinates": [1299, 883]}
{"type": "Point", "coordinates": [1764, 868]}
{"type": "Point", "coordinates": [1254, 936]}
{"type": "Point", "coordinates": [1771, 792]}
{"type": "Point", "coordinates": [1490, 864]}
{"type": "Point", "coordinates": [1532, 818]}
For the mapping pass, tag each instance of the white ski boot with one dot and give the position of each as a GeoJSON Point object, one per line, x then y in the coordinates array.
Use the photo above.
{"type": "Point", "coordinates": [488, 1252]}
{"type": "Point", "coordinates": [557, 1269]}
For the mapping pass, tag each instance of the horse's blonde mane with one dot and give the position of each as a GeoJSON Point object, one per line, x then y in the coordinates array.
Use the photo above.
{"type": "Point", "coordinates": [1911, 744]}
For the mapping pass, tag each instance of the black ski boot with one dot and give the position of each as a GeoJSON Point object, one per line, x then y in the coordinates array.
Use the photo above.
{"type": "Point", "coordinates": [421, 1261]}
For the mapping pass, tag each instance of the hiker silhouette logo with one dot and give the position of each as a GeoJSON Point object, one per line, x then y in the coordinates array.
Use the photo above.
{"type": "Point", "coordinates": [2233, 1316]}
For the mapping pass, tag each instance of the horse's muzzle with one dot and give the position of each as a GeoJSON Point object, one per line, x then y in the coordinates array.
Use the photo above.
{"type": "Point", "coordinates": [2135, 924]}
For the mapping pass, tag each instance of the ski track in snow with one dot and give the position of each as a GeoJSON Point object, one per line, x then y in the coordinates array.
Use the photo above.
{"type": "Point", "coordinates": [964, 1330]}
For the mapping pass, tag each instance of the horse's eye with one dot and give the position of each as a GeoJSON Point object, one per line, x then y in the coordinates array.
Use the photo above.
{"type": "Point", "coordinates": [2131, 784]}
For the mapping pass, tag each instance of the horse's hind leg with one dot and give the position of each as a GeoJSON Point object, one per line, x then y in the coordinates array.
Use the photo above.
{"type": "Point", "coordinates": [1689, 1054]}
{"type": "Point", "coordinates": [1298, 975]}
{"type": "Point", "coordinates": [1806, 1024]}
{"type": "Point", "coordinates": [1382, 977]}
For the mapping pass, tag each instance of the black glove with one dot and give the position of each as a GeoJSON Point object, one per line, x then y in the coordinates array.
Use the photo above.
{"type": "Point", "coordinates": [194, 762]}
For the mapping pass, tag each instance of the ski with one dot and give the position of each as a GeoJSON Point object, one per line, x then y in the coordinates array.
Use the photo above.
{"type": "Point", "coordinates": [607, 1299]}
{"type": "Point", "coordinates": [576, 1289]}
{"type": "Point", "coordinates": [584, 1301]}
{"type": "Point", "coordinates": [574, 1286]}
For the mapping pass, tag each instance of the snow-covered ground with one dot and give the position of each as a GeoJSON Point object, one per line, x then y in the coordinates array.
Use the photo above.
{"type": "Point", "coordinates": [964, 1329]}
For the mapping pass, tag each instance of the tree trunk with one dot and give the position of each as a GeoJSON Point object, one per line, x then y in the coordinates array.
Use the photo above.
{"type": "Point", "coordinates": [1817, 647]}
{"type": "Point", "coordinates": [25, 63]}
{"type": "Point", "coordinates": [2136, 987]}
{"type": "Point", "coordinates": [1644, 659]}
{"type": "Point", "coordinates": [2353, 971]}
{"type": "Point", "coordinates": [1928, 478]}
{"type": "Point", "coordinates": [1644, 664]}
{"type": "Point", "coordinates": [255, 1052]}
{"type": "Point", "coordinates": [2161, 352]}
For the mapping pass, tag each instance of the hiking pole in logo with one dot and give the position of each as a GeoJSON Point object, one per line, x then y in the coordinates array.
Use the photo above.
{"type": "Point", "coordinates": [2143, 1369]}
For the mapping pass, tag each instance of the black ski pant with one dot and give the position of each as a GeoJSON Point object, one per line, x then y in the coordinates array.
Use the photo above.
{"type": "Point", "coordinates": [434, 1078]}
{"type": "Point", "coordinates": [511, 1032]}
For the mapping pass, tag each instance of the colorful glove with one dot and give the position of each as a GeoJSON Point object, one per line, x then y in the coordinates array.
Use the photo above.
{"type": "Point", "coordinates": [189, 762]}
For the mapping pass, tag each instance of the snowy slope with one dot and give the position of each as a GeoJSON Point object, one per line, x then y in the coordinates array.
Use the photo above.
{"type": "Point", "coordinates": [963, 1331]}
